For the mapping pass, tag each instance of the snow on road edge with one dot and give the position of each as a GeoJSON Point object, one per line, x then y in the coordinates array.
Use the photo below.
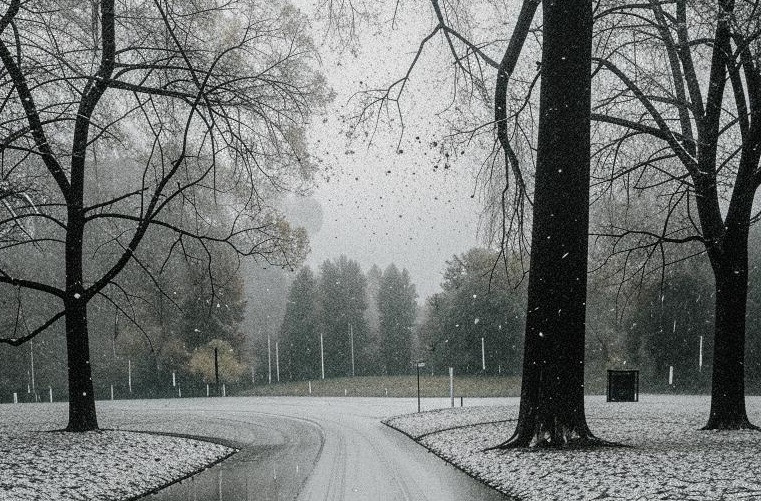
{"type": "Point", "coordinates": [103, 465]}
{"type": "Point", "coordinates": [669, 457]}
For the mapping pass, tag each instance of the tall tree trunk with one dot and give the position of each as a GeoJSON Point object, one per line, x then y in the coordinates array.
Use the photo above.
{"type": "Point", "coordinates": [552, 393]}
{"type": "Point", "coordinates": [82, 415]}
{"type": "Point", "coordinates": [728, 379]}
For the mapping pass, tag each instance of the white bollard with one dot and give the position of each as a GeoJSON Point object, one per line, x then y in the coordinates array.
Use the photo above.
{"type": "Point", "coordinates": [50, 391]}
{"type": "Point", "coordinates": [112, 392]}
{"type": "Point", "coordinates": [224, 392]}
{"type": "Point", "coordinates": [671, 374]}
{"type": "Point", "coordinates": [15, 397]}
{"type": "Point", "coordinates": [451, 385]}
{"type": "Point", "coordinates": [310, 387]}
{"type": "Point", "coordinates": [207, 390]}
{"type": "Point", "coordinates": [344, 392]}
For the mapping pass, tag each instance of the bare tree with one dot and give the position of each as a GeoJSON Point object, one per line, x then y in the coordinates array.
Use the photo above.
{"type": "Point", "coordinates": [552, 396]}
{"type": "Point", "coordinates": [689, 73]}
{"type": "Point", "coordinates": [185, 106]}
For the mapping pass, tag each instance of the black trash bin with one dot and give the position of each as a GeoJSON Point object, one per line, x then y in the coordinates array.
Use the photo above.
{"type": "Point", "coordinates": [623, 386]}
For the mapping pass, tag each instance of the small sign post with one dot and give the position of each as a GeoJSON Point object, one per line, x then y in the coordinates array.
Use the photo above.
{"type": "Point", "coordinates": [418, 365]}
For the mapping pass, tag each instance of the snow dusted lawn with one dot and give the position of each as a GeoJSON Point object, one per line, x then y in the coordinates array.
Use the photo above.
{"type": "Point", "coordinates": [669, 458]}
{"type": "Point", "coordinates": [37, 463]}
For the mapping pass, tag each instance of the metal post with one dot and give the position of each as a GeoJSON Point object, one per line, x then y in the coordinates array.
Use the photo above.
{"type": "Point", "coordinates": [112, 392]}
{"type": "Point", "coordinates": [277, 361]}
{"type": "Point", "coordinates": [483, 355]}
{"type": "Point", "coordinates": [50, 392]}
{"type": "Point", "coordinates": [216, 369]}
{"type": "Point", "coordinates": [31, 362]}
{"type": "Point", "coordinates": [129, 375]}
{"type": "Point", "coordinates": [269, 360]}
{"type": "Point", "coordinates": [418, 386]}
{"type": "Point", "coordinates": [671, 374]}
{"type": "Point", "coordinates": [700, 357]}
{"type": "Point", "coordinates": [451, 385]}
{"type": "Point", "coordinates": [174, 379]}
{"type": "Point", "coordinates": [322, 357]}
{"type": "Point", "coordinates": [351, 338]}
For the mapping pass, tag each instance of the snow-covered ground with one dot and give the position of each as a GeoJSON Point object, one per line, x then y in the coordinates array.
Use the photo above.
{"type": "Point", "coordinates": [37, 463]}
{"type": "Point", "coordinates": [668, 458]}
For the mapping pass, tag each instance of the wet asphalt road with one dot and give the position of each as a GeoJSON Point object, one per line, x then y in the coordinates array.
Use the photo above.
{"type": "Point", "coordinates": [301, 448]}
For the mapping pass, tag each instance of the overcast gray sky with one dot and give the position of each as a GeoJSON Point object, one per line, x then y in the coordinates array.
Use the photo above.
{"type": "Point", "coordinates": [378, 205]}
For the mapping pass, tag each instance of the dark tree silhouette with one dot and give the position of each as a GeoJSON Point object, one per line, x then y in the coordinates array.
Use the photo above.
{"type": "Point", "coordinates": [552, 393]}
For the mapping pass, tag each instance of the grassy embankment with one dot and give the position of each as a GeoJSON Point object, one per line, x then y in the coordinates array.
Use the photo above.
{"type": "Point", "coordinates": [406, 386]}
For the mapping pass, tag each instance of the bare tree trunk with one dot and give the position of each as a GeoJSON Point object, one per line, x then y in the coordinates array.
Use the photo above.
{"type": "Point", "coordinates": [82, 416]}
{"type": "Point", "coordinates": [552, 393]}
{"type": "Point", "coordinates": [728, 380]}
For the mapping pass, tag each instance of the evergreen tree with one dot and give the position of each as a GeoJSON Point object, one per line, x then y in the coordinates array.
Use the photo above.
{"type": "Point", "coordinates": [344, 328]}
{"type": "Point", "coordinates": [396, 307]}
{"type": "Point", "coordinates": [477, 302]}
{"type": "Point", "coordinates": [299, 335]}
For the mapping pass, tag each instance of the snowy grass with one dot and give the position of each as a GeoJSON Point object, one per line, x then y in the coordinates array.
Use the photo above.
{"type": "Point", "coordinates": [394, 386]}
{"type": "Point", "coordinates": [668, 456]}
{"type": "Point", "coordinates": [38, 463]}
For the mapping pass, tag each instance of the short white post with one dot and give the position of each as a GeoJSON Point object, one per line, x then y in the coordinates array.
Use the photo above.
{"type": "Point", "coordinates": [174, 379]}
{"type": "Point", "coordinates": [15, 397]}
{"type": "Point", "coordinates": [344, 392]}
{"type": "Point", "coordinates": [322, 357]}
{"type": "Point", "coordinates": [700, 357]}
{"type": "Point", "coordinates": [269, 360]}
{"type": "Point", "coordinates": [451, 385]}
{"type": "Point", "coordinates": [179, 391]}
{"type": "Point", "coordinates": [483, 355]}
{"type": "Point", "coordinates": [224, 391]}
{"type": "Point", "coordinates": [671, 374]}
{"type": "Point", "coordinates": [277, 361]}
{"type": "Point", "coordinates": [351, 338]}
{"type": "Point", "coordinates": [129, 375]}
{"type": "Point", "coordinates": [207, 389]}
{"type": "Point", "coordinates": [112, 392]}
{"type": "Point", "coordinates": [310, 387]}
{"type": "Point", "coordinates": [50, 391]}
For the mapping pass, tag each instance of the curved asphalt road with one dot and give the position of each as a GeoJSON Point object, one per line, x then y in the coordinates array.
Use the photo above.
{"type": "Point", "coordinates": [301, 448]}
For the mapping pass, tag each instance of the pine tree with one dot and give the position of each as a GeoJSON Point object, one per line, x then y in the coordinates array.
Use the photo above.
{"type": "Point", "coordinates": [299, 335]}
{"type": "Point", "coordinates": [396, 307]}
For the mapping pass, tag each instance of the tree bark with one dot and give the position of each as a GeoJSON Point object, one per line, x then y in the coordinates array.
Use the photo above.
{"type": "Point", "coordinates": [552, 394]}
{"type": "Point", "coordinates": [728, 378]}
{"type": "Point", "coordinates": [82, 415]}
